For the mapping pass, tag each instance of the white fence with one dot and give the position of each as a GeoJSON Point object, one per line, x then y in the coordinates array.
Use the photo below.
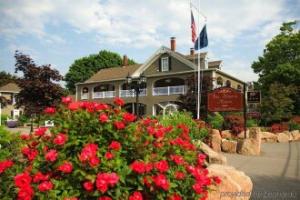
{"type": "Point", "coordinates": [102, 95]}
{"type": "Point", "coordinates": [170, 90]}
{"type": "Point", "coordinates": [131, 93]}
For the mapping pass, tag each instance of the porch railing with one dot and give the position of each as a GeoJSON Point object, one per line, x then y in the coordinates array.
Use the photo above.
{"type": "Point", "coordinates": [169, 90]}
{"type": "Point", "coordinates": [131, 93]}
{"type": "Point", "coordinates": [105, 94]}
{"type": "Point", "coordinates": [84, 95]}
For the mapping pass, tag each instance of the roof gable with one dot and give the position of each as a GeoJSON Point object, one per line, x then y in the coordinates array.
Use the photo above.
{"type": "Point", "coordinates": [163, 50]}
{"type": "Point", "coordinates": [113, 73]}
{"type": "Point", "coordinates": [10, 87]}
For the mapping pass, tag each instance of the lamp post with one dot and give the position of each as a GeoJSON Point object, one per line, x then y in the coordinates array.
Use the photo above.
{"type": "Point", "coordinates": [136, 85]}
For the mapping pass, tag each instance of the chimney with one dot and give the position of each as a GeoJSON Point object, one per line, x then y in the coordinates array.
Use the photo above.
{"type": "Point", "coordinates": [173, 43]}
{"type": "Point", "coordinates": [125, 60]}
{"type": "Point", "coordinates": [192, 51]}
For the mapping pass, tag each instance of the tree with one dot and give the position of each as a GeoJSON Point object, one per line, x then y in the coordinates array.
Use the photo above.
{"type": "Point", "coordinates": [280, 63]}
{"type": "Point", "coordinates": [277, 106]}
{"type": "Point", "coordinates": [6, 78]}
{"type": "Point", "coordinates": [39, 87]}
{"type": "Point", "coordinates": [83, 68]}
{"type": "Point", "coordinates": [189, 99]}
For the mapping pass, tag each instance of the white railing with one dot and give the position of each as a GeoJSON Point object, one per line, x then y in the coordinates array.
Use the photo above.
{"type": "Point", "coordinates": [84, 95]}
{"type": "Point", "coordinates": [103, 95]}
{"type": "Point", "coordinates": [131, 93]}
{"type": "Point", "coordinates": [170, 90]}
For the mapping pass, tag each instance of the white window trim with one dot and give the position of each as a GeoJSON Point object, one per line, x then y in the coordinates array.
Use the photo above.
{"type": "Point", "coordinates": [162, 66]}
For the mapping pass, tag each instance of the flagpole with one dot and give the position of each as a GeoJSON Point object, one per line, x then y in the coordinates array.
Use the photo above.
{"type": "Point", "coordinates": [198, 97]}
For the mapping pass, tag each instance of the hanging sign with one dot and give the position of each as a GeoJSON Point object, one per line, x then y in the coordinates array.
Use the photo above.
{"type": "Point", "coordinates": [253, 97]}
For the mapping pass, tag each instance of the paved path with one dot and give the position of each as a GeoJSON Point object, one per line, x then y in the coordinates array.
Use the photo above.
{"type": "Point", "coordinates": [275, 174]}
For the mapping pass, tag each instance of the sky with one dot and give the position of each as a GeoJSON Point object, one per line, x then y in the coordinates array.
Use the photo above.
{"type": "Point", "coordinates": [57, 32]}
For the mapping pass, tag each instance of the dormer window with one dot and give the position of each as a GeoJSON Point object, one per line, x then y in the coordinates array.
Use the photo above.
{"type": "Point", "coordinates": [165, 64]}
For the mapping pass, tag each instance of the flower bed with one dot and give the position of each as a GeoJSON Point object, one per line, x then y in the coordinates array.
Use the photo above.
{"type": "Point", "coordinates": [98, 152]}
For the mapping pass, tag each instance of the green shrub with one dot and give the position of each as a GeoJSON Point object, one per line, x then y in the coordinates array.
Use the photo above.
{"type": "Point", "coordinates": [216, 121]}
{"type": "Point", "coordinates": [293, 126]}
{"type": "Point", "coordinates": [23, 119]}
{"type": "Point", "coordinates": [185, 118]}
{"type": "Point", "coordinates": [4, 118]}
{"type": "Point", "coordinates": [97, 151]}
{"type": "Point", "coordinates": [251, 123]}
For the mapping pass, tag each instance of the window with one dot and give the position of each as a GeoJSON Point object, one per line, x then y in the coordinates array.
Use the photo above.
{"type": "Point", "coordinates": [85, 93]}
{"type": "Point", "coordinates": [228, 83]}
{"type": "Point", "coordinates": [165, 64]}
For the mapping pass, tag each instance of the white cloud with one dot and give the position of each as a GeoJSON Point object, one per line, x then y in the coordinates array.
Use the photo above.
{"type": "Point", "coordinates": [132, 21]}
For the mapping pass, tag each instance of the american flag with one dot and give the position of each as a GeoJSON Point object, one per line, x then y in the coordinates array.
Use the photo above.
{"type": "Point", "coordinates": [193, 27]}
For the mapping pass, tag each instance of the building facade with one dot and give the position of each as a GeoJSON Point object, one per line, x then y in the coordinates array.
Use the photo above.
{"type": "Point", "coordinates": [167, 72]}
{"type": "Point", "coordinates": [9, 92]}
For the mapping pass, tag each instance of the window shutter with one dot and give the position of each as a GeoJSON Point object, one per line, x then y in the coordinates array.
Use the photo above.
{"type": "Point", "coordinates": [170, 63]}
{"type": "Point", "coordinates": [159, 65]}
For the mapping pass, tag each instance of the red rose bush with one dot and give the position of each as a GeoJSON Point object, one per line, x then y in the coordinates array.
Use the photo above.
{"type": "Point", "coordinates": [100, 152]}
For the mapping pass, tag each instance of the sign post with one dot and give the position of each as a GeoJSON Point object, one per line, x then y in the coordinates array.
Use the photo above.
{"type": "Point", "coordinates": [245, 111]}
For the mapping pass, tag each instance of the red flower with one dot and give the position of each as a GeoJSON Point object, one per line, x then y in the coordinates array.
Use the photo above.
{"type": "Point", "coordinates": [103, 118]}
{"type": "Point", "coordinates": [94, 161]}
{"type": "Point", "coordinates": [51, 155]}
{"type": "Point", "coordinates": [217, 180]}
{"type": "Point", "coordinates": [39, 176]}
{"type": "Point", "coordinates": [101, 106]}
{"type": "Point", "coordinates": [22, 180]}
{"type": "Point", "coordinates": [177, 159]}
{"type": "Point", "coordinates": [88, 151]}
{"type": "Point", "coordinates": [74, 106]}
{"type": "Point", "coordinates": [66, 100]}
{"type": "Point", "coordinates": [60, 139]}
{"type": "Point", "coordinates": [115, 145]}
{"type": "Point", "coordinates": [161, 181]}
{"type": "Point", "coordinates": [104, 180]}
{"type": "Point", "coordinates": [109, 155]}
{"type": "Point", "coordinates": [66, 167]}
{"type": "Point", "coordinates": [25, 193]}
{"type": "Point", "coordinates": [119, 125]}
{"type": "Point", "coordinates": [179, 175]}
{"type": "Point", "coordinates": [162, 166]}
{"type": "Point", "coordinates": [140, 167]}
{"type": "Point", "coordinates": [88, 186]}
{"type": "Point", "coordinates": [136, 196]}
{"type": "Point", "coordinates": [175, 197]}
{"type": "Point", "coordinates": [71, 198]}
{"type": "Point", "coordinates": [128, 117]}
{"type": "Point", "coordinates": [104, 198]}
{"type": "Point", "coordinates": [198, 188]}
{"type": "Point", "coordinates": [45, 186]}
{"type": "Point", "coordinates": [5, 164]}
{"type": "Point", "coordinates": [40, 131]}
{"type": "Point", "coordinates": [119, 102]}
{"type": "Point", "coordinates": [29, 153]}
{"type": "Point", "coordinates": [201, 158]}
{"type": "Point", "coordinates": [50, 110]}
{"type": "Point", "coordinates": [25, 136]}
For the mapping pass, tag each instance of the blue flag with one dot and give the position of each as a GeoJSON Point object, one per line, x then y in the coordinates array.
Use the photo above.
{"type": "Point", "coordinates": [203, 39]}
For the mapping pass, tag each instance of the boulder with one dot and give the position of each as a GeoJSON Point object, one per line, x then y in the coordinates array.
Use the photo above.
{"type": "Point", "coordinates": [252, 145]}
{"type": "Point", "coordinates": [213, 157]}
{"type": "Point", "coordinates": [296, 135]}
{"type": "Point", "coordinates": [226, 134]}
{"type": "Point", "coordinates": [216, 140]}
{"type": "Point", "coordinates": [234, 185]}
{"type": "Point", "coordinates": [229, 146]}
{"type": "Point", "coordinates": [283, 137]}
{"type": "Point", "coordinates": [242, 134]}
{"type": "Point", "coordinates": [268, 137]}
